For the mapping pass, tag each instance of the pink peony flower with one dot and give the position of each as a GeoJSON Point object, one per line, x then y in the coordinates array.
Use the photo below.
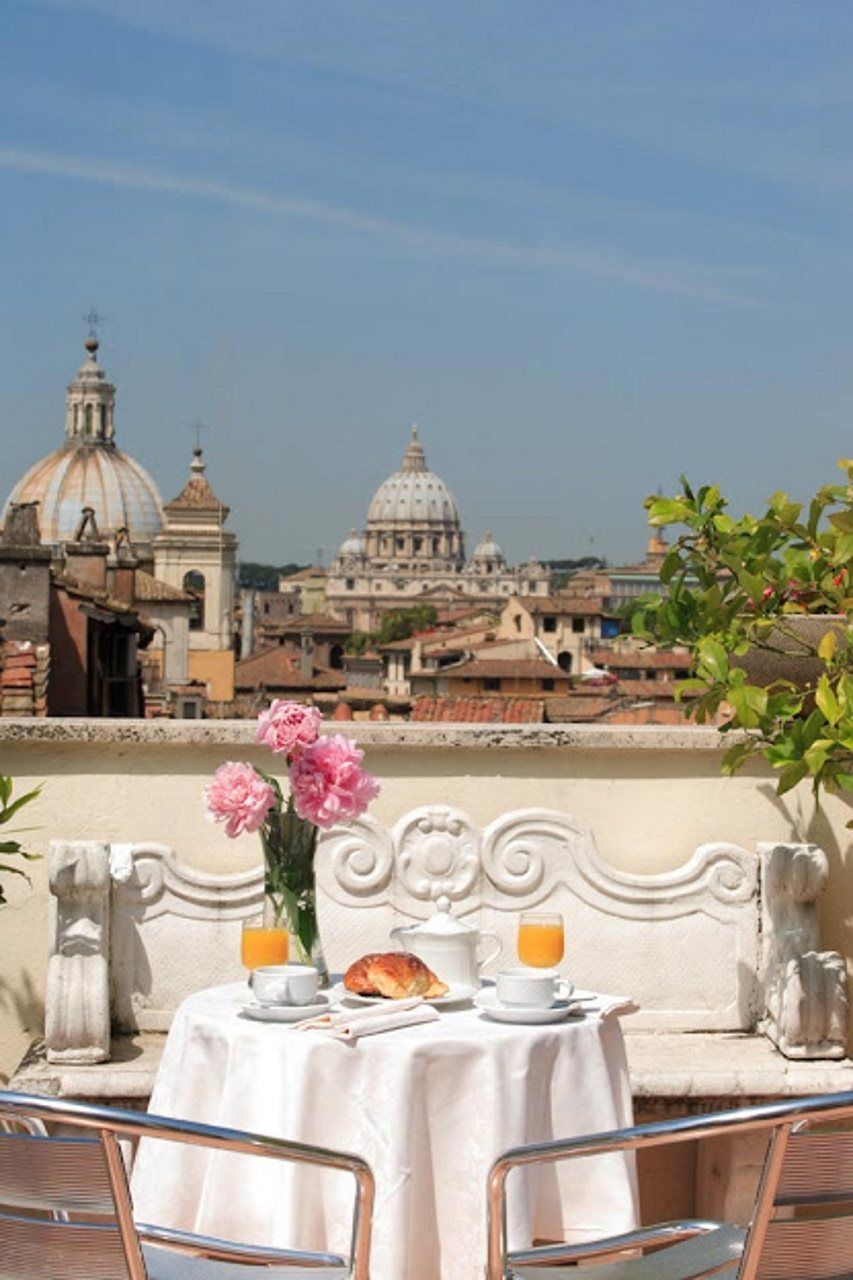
{"type": "Point", "coordinates": [239, 797]}
{"type": "Point", "coordinates": [329, 784]}
{"type": "Point", "coordinates": [288, 728]}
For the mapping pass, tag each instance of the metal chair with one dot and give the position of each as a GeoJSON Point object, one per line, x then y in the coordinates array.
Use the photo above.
{"type": "Point", "coordinates": [66, 1214]}
{"type": "Point", "coordinates": [805, 1166]}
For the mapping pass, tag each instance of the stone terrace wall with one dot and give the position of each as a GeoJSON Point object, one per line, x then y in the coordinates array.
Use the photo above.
{"type": "Point", "coordinates": [650, 795]}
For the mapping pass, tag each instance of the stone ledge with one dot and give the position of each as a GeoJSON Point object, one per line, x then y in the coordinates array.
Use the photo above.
{"type": "Point", "coordinates": [725, 1065]}
{"type": "Point", "coordinates": [731, 1068]}
{"type": "Point", "coordinates": [241, 733]}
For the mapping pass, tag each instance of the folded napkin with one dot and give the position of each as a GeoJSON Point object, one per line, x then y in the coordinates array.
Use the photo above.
{"type": "Point", "coordinates": [595, 1002]}
{"type": "Point", "coordinates": [349, 1024]}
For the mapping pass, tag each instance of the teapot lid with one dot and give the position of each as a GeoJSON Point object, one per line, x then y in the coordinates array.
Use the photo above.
{"type": "Point", "coordinates": [442, 924]}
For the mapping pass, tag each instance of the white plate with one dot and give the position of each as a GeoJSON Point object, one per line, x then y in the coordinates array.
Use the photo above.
{"type": "Point", "coordinates": [288, 1012]}
{"type": "Point", "coordinates": [457, 993]}
{"type": "Point", "coordinates": [488, 1003]}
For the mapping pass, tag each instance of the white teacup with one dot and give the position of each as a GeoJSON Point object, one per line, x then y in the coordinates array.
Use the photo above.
{"type": "Point", "coordinates": [532, 988]}
{"type": "Point", "coordinates": [285, 983]}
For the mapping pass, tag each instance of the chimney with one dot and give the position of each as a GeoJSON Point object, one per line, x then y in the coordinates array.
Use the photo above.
{"type": "Point", "coordinates": [86, 556]}
{"type": "Point", "coordinates": [306, 660]}
{"type": "Point", "coordinates": [121, 569]}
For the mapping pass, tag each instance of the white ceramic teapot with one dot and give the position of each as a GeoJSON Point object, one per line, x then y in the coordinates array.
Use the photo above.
{"type": "Point", "coordinates": [448, 945]}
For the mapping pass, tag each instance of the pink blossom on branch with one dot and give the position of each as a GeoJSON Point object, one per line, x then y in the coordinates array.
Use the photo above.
{"type": "Point", "coordinates": [239, 797]}
{"type": "Point", "coordinates": [288, 728]}
{"type": "Point", "coordinates": [329, 784]}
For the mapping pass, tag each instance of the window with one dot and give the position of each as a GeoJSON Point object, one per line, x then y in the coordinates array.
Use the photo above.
{"type": "Point", "coordinates": [549, 622]}
{"type": "Point", "coordinates": [578, 625]}
{"type": "Point", "coordinates": [564, 660]}
{"type": "Point", "coordinates": [194, 586]}
{"type": "Point", "coordinates": [517, 620]}
{"type": "Point", "coordinates": [88, 419]}
{"type": "Point", "coordinates": [336, 657]}
{"type": "Point", "coordinates": [350, 584]}
{"type": "Point", "coordinates": [491, 684]}
{"type": "Point", "coordinates": [548, 686]}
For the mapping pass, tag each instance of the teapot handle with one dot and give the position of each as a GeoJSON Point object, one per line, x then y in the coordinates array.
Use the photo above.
{"type": "Point", "coordinates": [494, 953]}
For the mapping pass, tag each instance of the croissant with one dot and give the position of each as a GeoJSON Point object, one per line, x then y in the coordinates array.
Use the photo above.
{"type": "Point", "coordinates": [393, 974]}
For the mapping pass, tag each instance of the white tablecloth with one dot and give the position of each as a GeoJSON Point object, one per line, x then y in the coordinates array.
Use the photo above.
{"type": "Point", "coordinates": [428, 1106]}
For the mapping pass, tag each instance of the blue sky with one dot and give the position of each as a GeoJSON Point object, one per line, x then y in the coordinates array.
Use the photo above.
{"type": "Point", "coordinates": [586, 246]}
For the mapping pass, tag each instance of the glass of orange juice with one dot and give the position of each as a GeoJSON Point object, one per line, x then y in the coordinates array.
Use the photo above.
{"type": "Point", "coordinates": [541, 939]}
{"type": "Point", "coordinates": [263, 941]}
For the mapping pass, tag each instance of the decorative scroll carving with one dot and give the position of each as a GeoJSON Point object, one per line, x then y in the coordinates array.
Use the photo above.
{"type": "Point", "coordinates": [438, 854]}
{"type": "Point", "coordinates": [77, 1007]}
{"type": "Point", "coordinates": [805, 989]}
{"type": "Point", "coordinates": [360, 856]}
{"type": "Point", "coordinates": [176, 930]}
{"type": "Point", "coordinates": [684, 942]}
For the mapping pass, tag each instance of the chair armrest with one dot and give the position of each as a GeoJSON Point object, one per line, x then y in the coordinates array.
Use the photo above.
{"type": "Point", "coordinates": [231, 1251]}
{"type": "Point", "coordinates": [645, 1238]}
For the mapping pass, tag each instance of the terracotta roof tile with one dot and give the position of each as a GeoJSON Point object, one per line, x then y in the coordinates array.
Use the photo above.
{"type": "Point", "coordinates": [496, 710]}
{"type": "Point", "coordinates": [275, 669]}
{"type": "Point", "coordinates": [631, 659]}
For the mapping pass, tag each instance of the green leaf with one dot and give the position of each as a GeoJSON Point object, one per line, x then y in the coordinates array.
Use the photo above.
{"type": "Point", "coordinates": [791, 775]}
{"type": "Point", "coordinates": [843, 521]}
{"type": "Point", "coordinates": [10, 810]}
{"type": "Point", "coordinates": [826, 699]}
{"type": "Point", "coordinates": [668, 511]}
{"type": "Point", "coordinates": [845, 780]}
{"type": "Point", "coordinates": [736, 755]}
{"type": "Point", "coordinates": [713, 657]}
{"type": "Point", "coordinates": [827, 646]}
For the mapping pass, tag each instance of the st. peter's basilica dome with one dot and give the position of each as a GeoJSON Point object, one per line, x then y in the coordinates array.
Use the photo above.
{"type": "Point", "coordinates": [413, 494]}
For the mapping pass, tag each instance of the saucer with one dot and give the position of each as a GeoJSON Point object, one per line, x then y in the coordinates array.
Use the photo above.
{"type": "Point", "coordinates": [287, 1012]}
{"type": "Point", "coordinates": [457, 993]}
{"type": "Point", "coordinates": [488, 1003]}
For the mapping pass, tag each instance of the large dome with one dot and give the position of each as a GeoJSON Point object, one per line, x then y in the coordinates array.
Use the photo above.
{"type": "Point", "coordinates": [89, 471]}
{"type": "Point", "coordinates": [413, 495]}
{"type": "Point", "coordinates": [120, 492]}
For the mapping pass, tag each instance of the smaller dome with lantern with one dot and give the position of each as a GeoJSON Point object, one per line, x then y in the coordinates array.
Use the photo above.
{"type": "Point", "coordinates": [88, 470]}
{"type": "Point", "coordinates": [353, 545]}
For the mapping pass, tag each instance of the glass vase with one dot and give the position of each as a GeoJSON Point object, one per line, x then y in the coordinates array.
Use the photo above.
{"type": "Point", "coordinates": [289, 844]}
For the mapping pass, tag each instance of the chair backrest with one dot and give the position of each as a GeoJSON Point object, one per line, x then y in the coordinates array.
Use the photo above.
{"type": "Point", "coordinates": [65, 1207]}
{"type": "Point", "coordinates": [47, 1184]}
{"type": "Point", "coordinates": [810, 1233]}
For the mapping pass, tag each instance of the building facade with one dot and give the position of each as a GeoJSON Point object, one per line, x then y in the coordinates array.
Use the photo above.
{"type": "Point", "coordinates": [412, 551]}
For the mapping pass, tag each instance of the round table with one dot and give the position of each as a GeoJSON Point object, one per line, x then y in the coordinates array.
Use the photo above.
{"type": "Point", "coordinates": [428, 1106]}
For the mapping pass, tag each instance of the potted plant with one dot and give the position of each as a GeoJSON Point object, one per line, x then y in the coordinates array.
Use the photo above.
{"type": "Point", "coordinates": [8, 809]}
{"type": "Point", "coordinates": [765, 607]}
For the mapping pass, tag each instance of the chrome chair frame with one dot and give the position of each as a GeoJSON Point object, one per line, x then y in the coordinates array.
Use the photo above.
{"type": "Point", "coordinates": [781, 1118]}
{"type": "Point", "coordinates": [110, 1124]}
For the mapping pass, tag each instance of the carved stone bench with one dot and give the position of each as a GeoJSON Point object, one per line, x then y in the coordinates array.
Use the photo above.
{"type": "Point", "coordinates": [723, 954]}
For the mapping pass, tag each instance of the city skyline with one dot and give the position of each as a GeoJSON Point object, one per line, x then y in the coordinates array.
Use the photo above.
{"type": "Point", "coordinates": [585, 251]}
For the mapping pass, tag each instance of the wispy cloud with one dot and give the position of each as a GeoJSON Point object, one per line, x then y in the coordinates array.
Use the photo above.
{"type": "Point", "coordinates": [688, 279]}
